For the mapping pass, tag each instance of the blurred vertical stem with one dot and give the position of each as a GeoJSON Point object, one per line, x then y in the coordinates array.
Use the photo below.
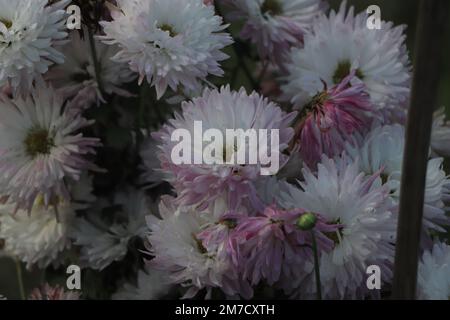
{"type": "Point", "coordinates": [20, 279]}
{"type": "Point", "coordinates": [97, 66]}
{"type": "Point", "coordinates": [427, 66]}
{"type": "Point", "coordinates": [316, 266]}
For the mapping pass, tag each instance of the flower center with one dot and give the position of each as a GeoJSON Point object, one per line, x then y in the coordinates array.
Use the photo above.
{"type": "Point", "coordinates": [82, 75]}
{"type": "Point", "coordinates": [38, 141]}
{"type": "Point", "coordinates": [201, 248]}
{"type": "Point", "coordinates": [272, 7]}
{"type": "Point", "coordinates": [228, 151]}
{"type": "Point", "coordinates": [343, 70]}
{"type": "Point", "coordinates": [229, 223]}
{"type": "Point", "coordinates": [168, 28]}
{"type": "Point", "coordinates": [7, 23]}
{"type": "Point", "coordinates": [337, 235]}
{"type": "Point", "coordinates": [315, 105]}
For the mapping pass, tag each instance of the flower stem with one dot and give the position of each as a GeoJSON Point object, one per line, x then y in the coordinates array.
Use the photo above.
{"type": "Point", "coordinates": [97, 66]}
{"type": "Point", "coordinates": [20, 279]}
{"type": "Point", "coordinates": [316, 266]}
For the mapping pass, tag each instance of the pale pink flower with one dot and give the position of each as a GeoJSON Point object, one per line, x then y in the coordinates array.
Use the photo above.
{"type": "Point", "coordinates": [272, 246]}
{"type": "Point", "coordinates": [47, 292]}
{"type": "Point", "coordinates": [331, 118]}
{"type": "Point", "coordinates": [201, 184]}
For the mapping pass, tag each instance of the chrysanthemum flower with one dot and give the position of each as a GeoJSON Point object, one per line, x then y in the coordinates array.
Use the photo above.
{"type": "Point", "coordinates": [37, 238]}
{"type": "Point", "coordinates": [40, 146]}
{"type": "Point", "coordinates": [201, 184]}
{"type": "Point", "coordinates": [47, 292]}
{"type": "Point", "coordinates": [30, 30]}
{"type": "Point", "coordinates": [331, 119]}
{"type": "Point", "coordinates": [101, 242]}
{"type": "Point", "coordinates": [275, 26]}
{"type": "Point", "coordinates": [76, 78]}
{"type": "Point", "coordinates": [344, 196]}
{"type": "Point", "coordinates": [382, 150]}
{"type": "Point", "coordinates": [41, 237]}
{"type": "Point", "coordinates": [176, 244]}
{"type": "Point", "coordinates": [433, 278]}
{"type": "Point", "coordinates": [151, 284]}
{"type": "Point", "coordinates": [341, 43]}
{"type": "Point", "coordinates": [271, 246]}
{"type": "Point", "coordinates": [173, 43]}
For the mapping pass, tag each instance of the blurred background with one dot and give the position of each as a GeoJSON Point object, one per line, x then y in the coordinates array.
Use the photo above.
{"type": "Point", "coordinates": [398, 11]}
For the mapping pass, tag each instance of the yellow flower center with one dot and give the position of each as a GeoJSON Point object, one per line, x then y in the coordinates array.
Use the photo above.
{"type": "Point", "coordinates": [272, 7]}
{"type": "Point", "coordinates": [343, 70]}
{"type": "Point", "coordinates": [38, 141]}
{"type": "Point", "coordinates": [168, 28]}
{"type": "Point", "coordinates": [7, 23]}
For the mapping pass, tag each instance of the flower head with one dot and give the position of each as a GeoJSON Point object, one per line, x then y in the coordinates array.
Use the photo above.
{"type": "Point", "coordinates": [363, 210]}
{"type": "Point", "coordinates": [101, 242]}
{"type": "Point", "coordinates": [272, 246]}
{"type": "Point", "coordinates": [382, 151]}
{"type": "Point", "coordinates": [194, 257]}
{"type": "Point", "coordinates": [331, 119]}
{"type": "Point", "coordinates": [434, 273]}
{"type": "Point", "coordinates": [30, 31]}
{"type": "Point", "coordinates": [275, 26]}
{"type": "Point", "coordinates": [47, 292]}
{"type": "Point", "coordinates": [200, 184]}
{"type": "Point", "coordinates": [172, 43]}
{"type": "Point", "coordinates": [40, 147]}
{"type": "Point", "coordinates": [38, 238]}
{"type": "Point", "coordinates": [341, 43]}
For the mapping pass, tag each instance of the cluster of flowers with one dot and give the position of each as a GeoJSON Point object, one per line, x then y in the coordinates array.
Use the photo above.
{"type": "Point", "coordinates": [336, 91]}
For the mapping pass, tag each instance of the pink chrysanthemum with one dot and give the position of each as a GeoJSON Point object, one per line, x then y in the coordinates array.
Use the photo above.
{"type": "Point", "coordinates": [272, 246]}
{"type": "Point", "coordinates": [194, 256]}
{"type": "Point", "coordinates": [40, 146]}
{"type": "Point", "coordinates": [47, 292]}
{"type": "Point", "coordinates": [331, 118]}
{"type": "Point", "coordinates": [201, 184]}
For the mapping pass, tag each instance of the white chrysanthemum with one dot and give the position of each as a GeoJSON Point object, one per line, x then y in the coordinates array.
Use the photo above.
{"type": "Point", "coordinates": [434, 273]}
{"type": "Point", "coordinates": [40, 147]}
{"type": "Point", "coordinates": [151, 284]}
{"type": "Point", "coordinates": [382, 149]}
{"type": "Point", "coordinates": [39, 237]}
{"type": "Point", "coordinates": [342, 42]}
{"type": "Point", "coordinates": [218, 174]}
{"type": "Point", "coordinates": [176, 249]}
{"type": "Point", "coordinates": [103, 243]}
{"type": "Point", "coordinates": [76, 78]}
{"type": "Point", "coordinates": [343, 195]}
{"type": "Point", "coordinates": [171, 42]}
{"type": "Point", "coordinates": [274, 26]}
{"type": "Point", "coordinates": [29, 32]}
{"type": "Point", "coordinates": [440, 136]}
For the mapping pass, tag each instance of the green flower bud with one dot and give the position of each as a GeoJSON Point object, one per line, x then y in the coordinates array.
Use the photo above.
{"type": "Point", "coordinates": [306, 221]}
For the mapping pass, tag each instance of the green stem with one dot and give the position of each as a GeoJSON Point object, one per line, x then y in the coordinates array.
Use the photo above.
{"type": "Point", "coordinates": [316, 266]}
{"type": "Point", "coordinates": [20, 279]}
{"type": "Point", "coordinates": [244, 67]}
{"type": "Point", "coordinates": [97, 66]}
